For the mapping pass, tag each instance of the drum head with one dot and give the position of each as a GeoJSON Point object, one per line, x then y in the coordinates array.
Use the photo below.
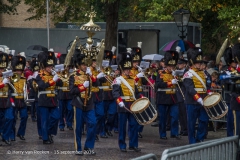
{"type": "Point", "coordinates": [139, 105]}
{"type": "Point", "coordinates": [211, 100]}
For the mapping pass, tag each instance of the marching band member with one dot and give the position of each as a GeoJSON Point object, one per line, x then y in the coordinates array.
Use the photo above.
{"type": "Point", "coordinates": [6, 107]}
{"type": "Point", "coordinates": [109, 103]}
{"type": "Point", "coordinates": [80, 87]}
{"type": "Point", "coordinates": [194, 81]}
{"type": "Point", "coordinates": [229, 67]}
{"type": "Point", "coordinates": [124, 91]}
{"type": "Point", "coordinates": [64, 100]}
{"type": "Point", "coordinates": [235, 99]}
{"type": "Point", "coordinates": [134, 73]}
{"type": "Point", "coordinates": [166, 95]}
{"type": "Point", "coordinates": [47, 99]}
{"type": "Point", "coordinates": [33, 93]}
{"type": "Point", "coordinates": [18, 64]}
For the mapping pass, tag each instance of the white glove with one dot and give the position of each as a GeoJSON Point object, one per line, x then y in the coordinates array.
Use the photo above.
{"type": "Point", "coordinates": [100, 75]}
{"type": "Point", "coordinates": [5, 80]}
{"type": "Point", "coordinates": [174, 81]}
{"type": "Point", "coordinates": [117, 81]}
{"type": "Point", "coordinates": [139, 75]}
{"type": "Point", "coordinates": [35, 74]}
{"type": "Point", "coordinates": [55, 78]}
{"type": "Point", "coordinates": [121, 104]}
{"type": "Point", "coordinates": [200, 101]}
{"type": "Point", "coordinates": [89, 71]}
{"type": "Point", "coordinates": [30, 77]}
{"type": "Point", "coordinates": [86, 84]}
{"type": "Point", "coordinates": [228, 73]}
{"type": "Point", "coordinates": [173, 73]}
{"type": "Point", "coordinates": [210, 93]}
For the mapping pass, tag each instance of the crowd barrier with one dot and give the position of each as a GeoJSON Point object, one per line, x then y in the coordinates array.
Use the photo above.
{"type": "Point", "coordinates": [218, 149]}
{"type": "Point", "coordinates": [150, 156]}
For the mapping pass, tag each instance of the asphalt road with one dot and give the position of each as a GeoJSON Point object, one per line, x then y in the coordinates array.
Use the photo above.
{"type": "Point", "coordinates": [107, 148]}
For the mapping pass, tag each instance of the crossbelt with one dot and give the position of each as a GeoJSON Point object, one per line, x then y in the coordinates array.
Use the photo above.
{"type": "Point", "coordinates": [17, 94]}
{"type": "Point", "coordinates": [46, 92]}
{"type": "Point", "coordinates": [104, 87]}
{"type": "Point", "coordinates": [164, 90]}
{"type": "Point", "coordinates": [140, 87]}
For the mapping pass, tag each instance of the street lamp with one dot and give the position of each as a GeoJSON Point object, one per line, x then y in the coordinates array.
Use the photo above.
{"type": "Point", "coordinates": [181, 18]}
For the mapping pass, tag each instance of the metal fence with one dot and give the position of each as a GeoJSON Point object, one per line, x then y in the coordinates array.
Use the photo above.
{"type": "Point", "coordinates": [219, 149]}
{"type": "Point", "coordinates": [150, 156]}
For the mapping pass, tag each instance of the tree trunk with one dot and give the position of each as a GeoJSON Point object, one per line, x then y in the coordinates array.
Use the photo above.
{"type": "Point", "coordinates": [111, 12]}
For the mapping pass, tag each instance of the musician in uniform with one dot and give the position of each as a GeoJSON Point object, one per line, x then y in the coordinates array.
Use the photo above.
{"type": "Point", "coordinates": [235, 99]}
{"type": "Point", "coordinates": [124, 91]}
{"type": "Point", "coordinates": [227, 85]}
{"type": "Point", "coordinates": [194, 81]}
{"type": "Point", "coordinates": [19, 82]}
{"type": "Point", "coordinates": [6, 107]}
{"type": "Point", "coordinates": [80, 87]}
{"type": "Point", "coordinates": [109, 103]}
{"type": "Point", "coordinates": [180, 97]}
{"type": "Point", "coordinates": [65, 98]}
{"type": "Point", "coordinates": [166, 96]}
{"type": "Point", "coordinates": [47, 81]}
{"type": "Point", "coordinates": [33, 93]}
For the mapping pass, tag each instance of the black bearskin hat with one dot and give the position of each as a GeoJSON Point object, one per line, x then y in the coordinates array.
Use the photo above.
{"type": "Point", "coordinates": [62, 58]}
{"type": "Point", "coordinates": [194, 55]}
{"type": "Point", "coordinates": [3, 60]}
{"type": "Point", "coordinates": [78, 58]}
{"type": "Point", "coordinates": [124, 60]}
{"type": "Point", "coordinates": [236, 53]}
{"type": "Point", "coordinates": [228, 56]}
{"type": "Point", "coordinates": [47, 59]}
{"type": "Point", "coordinates": [18, 63]}
{"type": "Point", "coordinates": [136, 54]}
{"type": "Point", "coordinates": [108, 55]}
{"type": "Point", "coordinates": [34, 65]}
{"type": "Point", "coordinates": [171, 58]}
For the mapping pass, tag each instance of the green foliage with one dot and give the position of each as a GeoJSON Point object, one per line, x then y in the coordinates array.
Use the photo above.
{"type": "Point", "coordinates": [9, 7]}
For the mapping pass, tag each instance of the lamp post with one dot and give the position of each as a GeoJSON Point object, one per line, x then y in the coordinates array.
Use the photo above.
{"type": "Point", "coordinates": [181, 18]}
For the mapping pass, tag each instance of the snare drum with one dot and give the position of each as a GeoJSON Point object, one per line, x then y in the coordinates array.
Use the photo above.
{"type": "Point", "coordinates": [143, 111]}
{"type": "Point", "coordinates": [215, 106]}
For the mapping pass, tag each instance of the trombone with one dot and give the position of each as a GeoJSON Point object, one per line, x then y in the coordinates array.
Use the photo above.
{"type": "Point", "coordinates": [107, 71]}
{"type": "Point", "coordinates": [146, 77]}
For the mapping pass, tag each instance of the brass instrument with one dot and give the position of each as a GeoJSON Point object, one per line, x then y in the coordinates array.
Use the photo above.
{"type": "Point", "coordinates": [150, 83]}
{"type": "Point", "coordinates": [15, 77]}
{"type": "Point", "coordinates": [107, 71]}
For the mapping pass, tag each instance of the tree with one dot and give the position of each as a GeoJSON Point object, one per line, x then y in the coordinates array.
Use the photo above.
{"type": "Point", "coordinates": [9, 7]}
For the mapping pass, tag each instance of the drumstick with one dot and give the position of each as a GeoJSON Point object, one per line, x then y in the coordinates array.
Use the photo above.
{"type": "Point", "coordinates": [127, 109]}
{"type": "Point", "coordinates": [181, 91]}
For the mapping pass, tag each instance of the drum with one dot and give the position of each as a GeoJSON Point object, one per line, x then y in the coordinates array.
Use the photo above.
{"type": "Point", "coordinates": [143, 111]}
{"type": "Point", "coordinates": [215, 106]}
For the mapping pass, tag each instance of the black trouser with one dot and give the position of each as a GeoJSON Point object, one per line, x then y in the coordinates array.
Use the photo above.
{"type": "Point", "coordinates": [183, 117]}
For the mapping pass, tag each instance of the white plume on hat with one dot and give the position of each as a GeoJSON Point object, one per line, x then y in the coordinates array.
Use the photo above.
{"type": "Point", "coordinates": [51, 50]}
{"type": "Point", "coordinates": [1, 49]}
{"type": "Point", "coordinates": [22, 54]}
{"type": "Point", "coordinates": [178, 49]}
{"type": "Point", "coordinates": [198, 45]}
{"type": "Point", "coordinates": [12, 52]}
{"type": "Point", "coordinates": [56, 54]}
{"type": "Point", "coordinates": [139, 44]}
{"type": "Point", "coordinates": [129, 50]}
{"type": "Point", "coordinates": [113, 49]}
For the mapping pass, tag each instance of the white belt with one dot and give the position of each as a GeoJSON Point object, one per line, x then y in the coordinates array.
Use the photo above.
{"type": "Point", "coordinates": [159, 89]}
{"type": "Point", "coordinates": [3, 93]}
{"type": "Point", "coordinates": [200, 89]}
{"type": "Point", "coordinates": [104, 87]}
{"type": "Point", "coordinates": [46, 92]}
{"type": "Point", "coordinates": [127, 97]}
{"type": "Point", "coordinates": [17, 94]}
{"type": "Point", "coordinates": [140, 87]}
{"type": "Point", "coordinates": [63, 88]}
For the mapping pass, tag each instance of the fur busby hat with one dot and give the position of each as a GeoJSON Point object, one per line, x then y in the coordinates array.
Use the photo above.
{"type": "Point", "coordinates": [182, 61]}
{"type": "Point", "coordinates": [3, 60]}
{"type": "Point", "coordinates": [108, 55]}
{"type": "Point", "coordinates": [78, 58]}
{"type": "Point", "coordinates": [18, 63]}
{"type": "Point", "coordinates": [171, 58]}
{"type": "Point", "coordinates": [136, 54]}
{"type": "Point", "coordinates": [227, 56]}
{"type": "Point", "coordinates": [194, 55]}
{"type": "Point", "coordinates": [236, 52]}
{"type": "Point", "coordinates": [124, 60]}
{"type": "Point", "coordinates": [34, 65]}
{"type": "Point", "coordinates": [46, 59]}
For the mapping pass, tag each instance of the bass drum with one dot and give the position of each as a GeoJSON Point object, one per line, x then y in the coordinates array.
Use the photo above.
{"type": "Point", "coordinates": [215, 106]}
{"type": "Point", "coordinates": [143, 111]}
